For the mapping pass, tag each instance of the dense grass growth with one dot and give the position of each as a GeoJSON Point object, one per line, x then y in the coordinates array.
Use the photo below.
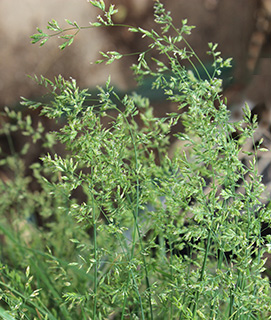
{"type": "Point", "coordinates": [118, 230]}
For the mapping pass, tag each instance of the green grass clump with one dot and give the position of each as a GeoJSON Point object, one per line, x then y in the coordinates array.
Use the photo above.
{"type": "Point", "coordinates": [148, 237]}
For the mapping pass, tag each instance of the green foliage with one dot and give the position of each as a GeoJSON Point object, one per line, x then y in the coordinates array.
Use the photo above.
{"type": "Point", "coordinates": [126, 231]}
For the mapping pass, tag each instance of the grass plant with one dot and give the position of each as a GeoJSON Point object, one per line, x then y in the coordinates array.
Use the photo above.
{"type": "Point", "coordinates": [149, 236]}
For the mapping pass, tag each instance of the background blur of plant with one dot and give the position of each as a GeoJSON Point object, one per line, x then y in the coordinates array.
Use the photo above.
{"type": "Point", "coordinates": [107, 225]}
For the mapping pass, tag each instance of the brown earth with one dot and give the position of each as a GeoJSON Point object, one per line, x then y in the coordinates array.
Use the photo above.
{"type": "Point", "coordinates": [231, 23]}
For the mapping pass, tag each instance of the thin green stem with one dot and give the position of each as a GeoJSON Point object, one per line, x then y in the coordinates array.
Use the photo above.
{"type": "Point", "coordinates": [194, 309]}
{"type": "Point", "coordinates": [135, 214]}
{"type": "Point", "coordinates": [44, 311]}
{"type": "Point", "coordinates": [95, 257]}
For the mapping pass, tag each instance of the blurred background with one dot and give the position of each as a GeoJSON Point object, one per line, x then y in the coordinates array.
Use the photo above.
{"type": "Point", "coordinates": [240, 27]}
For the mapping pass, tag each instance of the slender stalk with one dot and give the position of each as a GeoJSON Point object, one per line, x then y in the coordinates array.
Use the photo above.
{"type": "Point", "coordinates": [95, 258]}
{"type": "Point", "coordinates": [194, 309]}
{"type": "Point", "coordinates": [44, 311]}
{"type": "Point", "coordinates": [231, 303]}
{"type": "Point", "coordinates": [136, 226]}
